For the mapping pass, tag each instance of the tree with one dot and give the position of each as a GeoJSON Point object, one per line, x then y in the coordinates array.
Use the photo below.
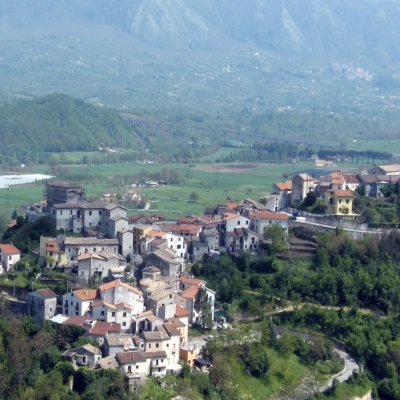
{"type": "Point", "coordinates": [275, 235]}
{"type": "Point", "coordinates": [202, 304]}
{"type": "Point", "coordinates": [194, 196]}
{"type": "Point", "coordinates": [310, 199]}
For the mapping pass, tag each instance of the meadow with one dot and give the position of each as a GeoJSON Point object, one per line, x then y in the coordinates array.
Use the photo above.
{"type": "Point", "coordinates": [215, 183]}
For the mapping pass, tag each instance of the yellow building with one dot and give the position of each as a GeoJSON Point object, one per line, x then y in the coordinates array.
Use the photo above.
{"type": "Point", "coordinates": [50, 252]}
{"type": "Point", "coordinates": [339, 202]}
{"type": "Point", "coordinates": [139, 232]}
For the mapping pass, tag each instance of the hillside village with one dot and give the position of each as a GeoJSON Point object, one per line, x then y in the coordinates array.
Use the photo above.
{"type": "Point", "coordinates": [141, 316]}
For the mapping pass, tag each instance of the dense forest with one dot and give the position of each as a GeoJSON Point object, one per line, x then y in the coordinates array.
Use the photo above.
{"type": "Point", "coordinates": [58, 123]}
{"type": "Point", "coordinates": [344, 274]}
{"type": "Point", "coordinates": [33, 130]}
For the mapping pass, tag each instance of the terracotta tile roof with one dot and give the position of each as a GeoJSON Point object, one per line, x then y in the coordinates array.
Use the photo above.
{"type": "Point", "coordinates": [129, 357]}
{"type": "Point", "coordinates": [9, 249]}
{"type": "Point", "coordinates": [145, 314]}
{"type": "Point", "coordinates": [341, 193]}
{"type": "Point", "coordinates": [85, 294]}
{"type": "Point", "coordinates": [229, 216]}
{"type": "Point", "coordinates": [46, 293]}
{"type": "Point", "coordinates": [232, 204]}
{"type": "Point", "coordinates": [78, 320]}
{"type": "Point", "coordinates": [190, 293]}
{"type": "Point", "coordinates": [181, 312]}
{"type": "Point", "coordinates": [350, 178]}
{"type": "Point", "coordinates": [88, 256]}
{"type": "Point", "coordinates": [116, 283]}
{"type": "Point", "coordinates": [271, 215]}
{"type": "Point", "coordinates": [12, 223]}
{"type": "Point", "coordinates": [191, 281]}
{"type": "Point", "coordinates": [110, 305]}
{"type": "Point", "coordinates": [287, 185]}
{"type": "Point", "coordinates": [171, 329]}
{"type": "Point", "coordinates": [157, 234]}
{"type": "Point", "coordinates": [101, 328]}
{"type": "Point", "coordinates": [176, 322]}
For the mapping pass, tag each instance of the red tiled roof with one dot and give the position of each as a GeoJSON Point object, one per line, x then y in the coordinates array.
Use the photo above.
{"type": "Point", "coordinates": [85, 294]}
{"type": "Point", "coordinates": [78, 320]}
{"type": "Point", "coordinates": [190, 293]}
{"type": "Point", "coordinates": [101, 328]}
{"type": "Point", "coordinates": [47, 293]}
{"type": "Point", "coordinates": [191, 281]}
{"type": "Point", "coordinates": [9, 249]}
{"type": "Point", "coordinates": [287, 185]}
{"type": "Point", "coordinates": [181, 312]}
{"type": "Point", "coordinates": [341, 193]}
{"type": "Point", "coordinates": [117, 283]}
{"type": "Point", "coordinates": [271, 215]}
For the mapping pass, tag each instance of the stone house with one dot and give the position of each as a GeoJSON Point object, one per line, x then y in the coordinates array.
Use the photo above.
{"type": "Point", "coordinates": [90, 264]}
{"type": "Point", "coordinates": [301, 185]}
{"type": "Point", "coordinates": [87, 355]}
{"type": "Point", "coordinates": [42, 305]}
{"type": "Point", "coordinates": [117, 292]}
{"type": "Point", "coordinates": [78, 302]}
{"type": "Point", "coordinates": [261, 219]}
{"type": "Point", "coordinates": [9, 256]}
{"type": "Point", "coordinates": [74, 247]}
{"type": "Point", "coordinates": [166, 260]}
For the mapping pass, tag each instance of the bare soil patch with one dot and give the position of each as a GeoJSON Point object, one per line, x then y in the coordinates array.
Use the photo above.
{"type": "Point", "coordinates": [232, 167]}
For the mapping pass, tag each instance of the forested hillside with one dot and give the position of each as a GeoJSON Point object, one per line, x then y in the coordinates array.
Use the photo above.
{"type": "Point", "coordinates": [58, 123]}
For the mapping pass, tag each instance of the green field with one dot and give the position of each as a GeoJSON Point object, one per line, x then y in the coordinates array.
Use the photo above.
{"type": "Point", "coordinates": [213, 185]}
{"type": "Point", "coordinates": [390, 146]}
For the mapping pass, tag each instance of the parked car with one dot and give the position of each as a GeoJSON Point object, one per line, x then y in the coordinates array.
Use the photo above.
{"type": "Point", "coordinates": [209, 337]}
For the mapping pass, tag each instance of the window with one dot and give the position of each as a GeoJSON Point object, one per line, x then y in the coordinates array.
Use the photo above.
{"type": "Point", "coordinates": [129, 368]}
{"type": "Point", "coordinates": [77, 313]}
{"type": "Point", "coordinates": [124, 314]}
{"type": "Point", "coordinates": [124, 324]}
{"type": "Point", "coordinates": [100, 212]}
{"type": "Point", "coordinates": [71, 212]}
{"type": "Point", "coordinates": [157, 345]}
{"type": "Point", "coordinates": [102, 313]}
{"type": "Point", "coordinates": [238, 222]}
{"type": "Point", "coordinates": [99, 223]}
{"type": "Point", "coordinates": [247, 222]}
{"type": "Point", "coordinates": [179, 246]}
{"type": "Point", "coordinates": [137, 366]}
{"type": "Point", "coordinates": [60, 212]}
{"type": "Point", "coordinates": [113, 314]}
{"type": "Point", "coordinates": [72, 303]}
{"type": "Point", "coordinates": [347, 201]}
{"type": "Point", "coordinates": [149, 345]}
{"type": "Point", "coordinates": [340, 201]}
{"type": "Point", "coordinates": [51, 309]}
{"type": "Point", "coordinates": [159, 369]}
{"type": "Point", "coordinates": [90, 213]}
{"type": "Point", "coordinates": [171, 239]}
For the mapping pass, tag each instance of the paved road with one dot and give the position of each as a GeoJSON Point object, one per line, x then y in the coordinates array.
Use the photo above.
{"type": "Point", "coordinates": [350, 366]}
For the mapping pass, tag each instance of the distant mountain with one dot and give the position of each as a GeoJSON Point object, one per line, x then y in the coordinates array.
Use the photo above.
{"type": "Point", "coordinates": [346, 29]}
{"type": "Point", "coordinates": [58, 123]}
{"type": "Point", "coordinates": [209, 56]}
